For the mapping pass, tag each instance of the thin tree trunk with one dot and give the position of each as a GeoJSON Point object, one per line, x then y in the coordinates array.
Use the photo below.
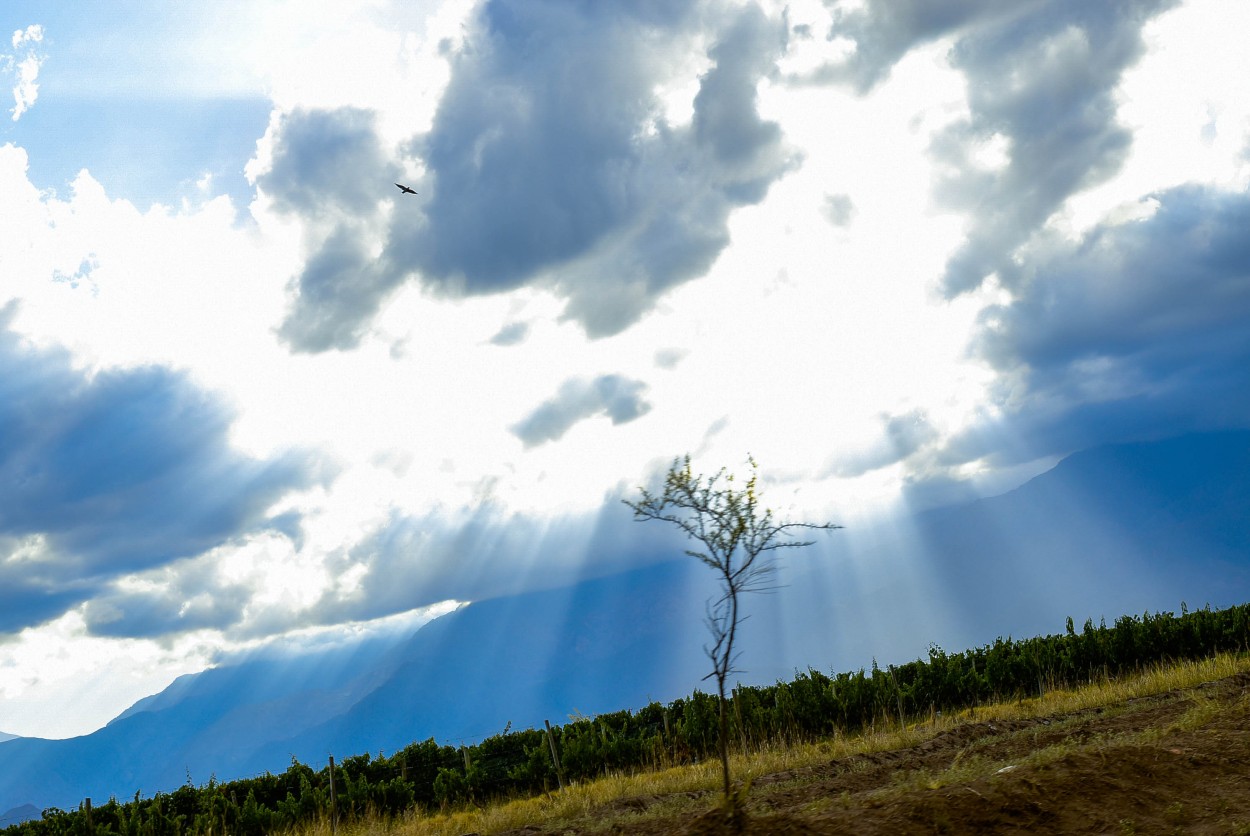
{"type": "Point", "coordinates": [724, 736]}
{"type": "Point", "coordinates": [724, 665]}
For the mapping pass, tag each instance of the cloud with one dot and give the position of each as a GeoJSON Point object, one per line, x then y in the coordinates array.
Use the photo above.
{"type": "Point", "coordinates": [411, 561]}
{"type": "Point", "coordinates": [1042, 84]}
{"type": "Point", "coordinates": [883, 31]}
{"type": "Point", "coordinates": [1041, 80]}
{"type": "Point", "coordinates": [620, 398]}
{"type": "Point", "coordinates": [185, 596]}
{"type": "Point", "coordinates": [328, 165]}
{"type": "Point", "coordinates": [513, 333]}
{"type": "Point", "coordinates": [670, 358]}
{"type": "Point", "coordinates": [32, 589]}
{"type": "Point", "coordinates": [1137, 331]}
{"type": "Point", "coordinates": [331, 169]}
{"type": "Point", "coordinates": [838, 209]}
{"type": "Point", "coordinates": [339, 291]}
{"type": "Point", "coordinates": [25, 69]}
{"type": "Point", "coordinates": [552, 161]}
{"type": "Point", "coordinates": [107, 474]}
{"type": "Point", "coordinates": [903, 436]}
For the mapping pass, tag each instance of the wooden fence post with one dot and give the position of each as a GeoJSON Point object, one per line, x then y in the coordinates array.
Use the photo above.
{"type": "Point", "coordinates": [334, 811]}
{"type": "Point", "coordinates": [555, 756]}
{"type": "Point", "coordinates": [742, 732]}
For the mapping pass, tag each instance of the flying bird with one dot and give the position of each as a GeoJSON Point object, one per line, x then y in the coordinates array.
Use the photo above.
{"type": "Point", "coordinates": [405, 189]}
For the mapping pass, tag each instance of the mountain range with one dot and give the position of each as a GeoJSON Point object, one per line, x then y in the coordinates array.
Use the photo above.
{"type": "Point", "coordinates": [1108, 531]}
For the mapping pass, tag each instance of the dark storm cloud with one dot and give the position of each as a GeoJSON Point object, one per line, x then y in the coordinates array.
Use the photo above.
{"type": "Point", "coordinates": [726, 118]}
{"type": "Point", "coordinates": [1045, 81]}
{"type": "Point", "coordinates": [1136, 332]}
{"type": "Point", "coordinates": [114, 473]}
{"type": "Point", "coordinates": [550, 162]}
{"type": "Point", "coordinates": [328, 164]}
{"type": "Point", "coordinates": [33, 589]}
{"type": "Point", "coordinates": [620, 398]}
{"type": "Point", "coordinates": [541, 148]}
{"type": "Point", "coordinates": [339, 291]}
{"type": "Point", "coordinates": [1041, 80]}
{"type": "Point", "coordinates": [330, 168]}
{"type": "Point", "coordinates": [885, 30]}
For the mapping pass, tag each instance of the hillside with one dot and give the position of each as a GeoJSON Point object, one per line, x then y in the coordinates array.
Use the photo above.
{"type": "Point", "coordinates": [1106, 528]}
{"type": "Point", "coordinates": [670, 748]}
{"type": "Point", "coordinates": [1167, 762]}
{"type": "Point", "coordinates": [1109, 531]}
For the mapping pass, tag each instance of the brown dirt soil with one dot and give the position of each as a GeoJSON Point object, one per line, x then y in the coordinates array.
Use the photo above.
{"type": "Point", "coordinates": [1174, 763]}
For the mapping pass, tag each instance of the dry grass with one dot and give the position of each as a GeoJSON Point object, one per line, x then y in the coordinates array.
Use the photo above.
{"type": "Point", "coordinates": [1155, 680]}
{"type": "Point", "coordinates": [691, 787]}
{"type": "Point", "coordinates": [1112, 697]}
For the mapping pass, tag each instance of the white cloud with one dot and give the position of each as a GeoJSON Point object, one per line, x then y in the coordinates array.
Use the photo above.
{"type": "Point", "coordinates": [125, 288]}
{"type": "Point", "coordinates": [1188, 105]}
{"type": "Point", "coordinates": [392, 58]}
{"type": "Point", "coordinates": [619, 398]}
{"type": "Point", "coordinates": [60, 681]}
{"type": "Point", "coordinates": [25, 68]}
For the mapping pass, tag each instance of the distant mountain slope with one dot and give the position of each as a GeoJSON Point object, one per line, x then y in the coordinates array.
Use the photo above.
{"type": "Point", "coordinates": [1108, 531]}
{"type": "Point", "coordinates": [152, 745]}
{"type": "Point", "coordinates": [598, 646]}
{"type": "Point", "coordinates": [19, 814]}
{"type": "Point", "coordinates": [4, 737]}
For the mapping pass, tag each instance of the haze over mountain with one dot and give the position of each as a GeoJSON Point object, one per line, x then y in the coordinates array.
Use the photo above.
{"type": "Point", "coordinates": [1119, 529]}
{"type": "Point", "coordinates": [1113, 530]}
{"type": "Point", "coordinates": [597, 646]}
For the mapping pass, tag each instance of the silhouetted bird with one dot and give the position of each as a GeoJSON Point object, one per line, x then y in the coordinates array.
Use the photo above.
{"type": "Point", "coordinates": [405, 189]}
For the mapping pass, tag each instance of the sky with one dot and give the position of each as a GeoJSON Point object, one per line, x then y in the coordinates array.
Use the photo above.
{"type": "Point", "coordinates": [902, 253]}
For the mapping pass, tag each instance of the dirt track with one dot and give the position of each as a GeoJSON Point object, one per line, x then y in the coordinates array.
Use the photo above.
{"type": "Point", "coordinates": [1175, 763]}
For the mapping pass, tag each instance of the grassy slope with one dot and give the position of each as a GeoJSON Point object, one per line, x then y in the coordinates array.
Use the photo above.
{"type": "Point", "coordinates": [690, 789]}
